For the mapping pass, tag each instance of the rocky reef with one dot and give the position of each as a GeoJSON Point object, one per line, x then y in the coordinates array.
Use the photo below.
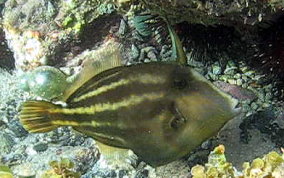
{"type": "Point", "coordinates": [237, 45]}
{"type": "Point", "coordinates": [216, 12]}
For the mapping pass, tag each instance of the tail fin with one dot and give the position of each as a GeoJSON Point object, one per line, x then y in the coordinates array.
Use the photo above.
{"type": "Point", "coordinates": [35, 116]}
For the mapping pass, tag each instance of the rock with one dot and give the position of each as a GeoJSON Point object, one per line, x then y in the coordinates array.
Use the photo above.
{"type": "Point", "coordinates": [134, 52]}
{"type": "Point", "coordinates": [16, 127]}
{"type": "Point", "coordinates": [122, 173]}
{"type": "Point", "coordinates": [232, 81]}
{"type": "Point", "coordinates": [39, 147]}
{"type": "Point", "coordinates": [6, 145]}
{"type": "Point", "coordinates": [142, 174]}
{"type": "Point", "coordinates": [7, 61]}
{"type": "Point", "coordinates": [42, 32]}
{"type": "Point", "coordinates": [122, 27]}
{"type": "Point", "coordinates": [215, 12]}
{"type": "Point", "coordinates": [239, 82]}
{"type": "Point", "coordinates": [254, 106]}
{"type": "Point", "coordinates": [216, 69]}
{"type": "Point", "coordinates": [230, 70]}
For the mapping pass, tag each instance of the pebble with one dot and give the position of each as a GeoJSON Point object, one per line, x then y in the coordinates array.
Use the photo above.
{"type": "Point", "coordinates": [40, 147]}
{"type": "Point", "coordinates": [230, 71]}
{"type": "Point", "coordinates": [151, 54]}
{"type": "Point", "coordinates": [237, 76]}
{"type": "Point", "coordinates": [254, 106]}
{"type": "Point", "coordinates": [245, 78]}
{"type": "Point", "coordinates": [268, 96]}
{"type": "Point", "coordinates": [6, 143]}
{"type": "Point", "coordinates": [142, 174]}
{"type": "Point", "coordinates": [212, 76]}
{"type": "Point", "coordinates": [134, 52]}
{"type": "Point", "coordinates": [216, 69]}
{"type": "Point", "coordinates": [224, 78]}
{"type": "Point", "coordinates": [232, 81]}
{"type": "Point", "coordinates": [122, 173]}
{"type": "Point", "coordinates": [231, 64]}
{"type": "Point", "coordinates": [266, 105]}
{"type": "Point", "coordinates": [122, 27]}
{"type": "Point", "coordinates": [250, 74]}
{"type": "Point", "coordinates": [239, 82]}
{"type": "Point", "coordinates": [17, 128]}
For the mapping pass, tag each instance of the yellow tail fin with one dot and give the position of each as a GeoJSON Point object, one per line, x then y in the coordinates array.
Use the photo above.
{"type": "Point", "coordinates": [35, 116]}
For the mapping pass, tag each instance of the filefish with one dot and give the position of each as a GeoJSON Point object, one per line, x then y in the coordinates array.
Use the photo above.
{"type": "Point", "coordinates": [160, 111]}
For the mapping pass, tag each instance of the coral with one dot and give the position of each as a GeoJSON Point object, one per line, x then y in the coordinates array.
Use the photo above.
{"type": "Point", "coordinates": [270, 165]}
{"type": "Point", "coordinates": [5, 172]}
{"type": "Point", "coordinates": [61, 169]}
{"type": "Point", "coordinates": [217, 165]}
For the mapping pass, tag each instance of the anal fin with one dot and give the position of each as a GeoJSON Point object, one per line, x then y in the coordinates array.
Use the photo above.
{"type": "Point", "coordinates": [117, 157]}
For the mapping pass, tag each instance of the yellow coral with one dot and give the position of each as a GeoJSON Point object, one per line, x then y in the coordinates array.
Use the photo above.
{"type": "Point", "coordinates": [61, 169]}
{"type": "Point", "coordinates": [271, 165]}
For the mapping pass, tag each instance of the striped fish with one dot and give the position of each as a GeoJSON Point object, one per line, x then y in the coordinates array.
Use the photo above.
{"type": "Point", "coordinates": [160, 111]}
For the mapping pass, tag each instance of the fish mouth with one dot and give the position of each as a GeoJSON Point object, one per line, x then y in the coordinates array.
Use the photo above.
{"type": "Point", "coordinates": [236, 107]}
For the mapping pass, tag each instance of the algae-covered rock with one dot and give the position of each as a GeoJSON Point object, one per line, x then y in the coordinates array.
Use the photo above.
{"type": "Point", "coordinates": [206, 12]}
{"type": "Point", "coordinates": [39, 31]}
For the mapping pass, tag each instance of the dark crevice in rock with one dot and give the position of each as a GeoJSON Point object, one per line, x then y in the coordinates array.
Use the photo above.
{"type": "Point", "coordinates": [265, 122]}
{"type": "Point", "coordinates": [7, 60]}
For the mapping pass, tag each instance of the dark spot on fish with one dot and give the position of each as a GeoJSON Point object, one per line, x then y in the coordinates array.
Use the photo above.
{"type": "Point", "coordinates": [180, 83]}
{"type": "Point", "coordinates": [177, 122]}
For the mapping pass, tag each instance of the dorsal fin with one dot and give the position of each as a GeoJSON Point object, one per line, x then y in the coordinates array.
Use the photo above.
{"type": "Point", "coordinates": [106, 57]}
{"type": "Point", "coordinates": [177, 48]}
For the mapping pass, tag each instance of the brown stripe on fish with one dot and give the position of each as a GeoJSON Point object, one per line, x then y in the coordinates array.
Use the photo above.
{"type": "Point", "coordinates": [98, 80]}
{"type": "Point", "coordinates": [123, 121]}
{"type": "Point", "coordinates": [120, 119]}
{"type": "Point", "coordinates": [107, 106]}
{"type": "Point", "coordinates": [141, 79]}
{"type": "Point", "coordinates": [101, 137]}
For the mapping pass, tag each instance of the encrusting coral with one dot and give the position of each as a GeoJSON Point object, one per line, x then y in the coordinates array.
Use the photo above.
{"type": "Point", "coordinates": [5, 172]}
{"type": "Point", "coordinates": [270, 165]}
{"type": "Point", "coordinates": [61, 169]}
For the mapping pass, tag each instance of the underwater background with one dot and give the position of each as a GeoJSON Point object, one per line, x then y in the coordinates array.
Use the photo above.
{"type": "Point", "coordinates": [236, 45]}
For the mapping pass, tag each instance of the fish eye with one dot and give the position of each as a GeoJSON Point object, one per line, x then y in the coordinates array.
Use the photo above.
{"type": "Point", "coordinates": [179, 83]}
{"type": "Point", "coordinates": [177, 122]}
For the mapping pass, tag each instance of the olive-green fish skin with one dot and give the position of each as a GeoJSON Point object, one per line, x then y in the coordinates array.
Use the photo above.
{"type": "Point", "coordinates": [160, 111]}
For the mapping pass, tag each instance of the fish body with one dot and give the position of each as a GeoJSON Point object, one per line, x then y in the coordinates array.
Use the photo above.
{"type": "Point", "coordinates": [160, 111]}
